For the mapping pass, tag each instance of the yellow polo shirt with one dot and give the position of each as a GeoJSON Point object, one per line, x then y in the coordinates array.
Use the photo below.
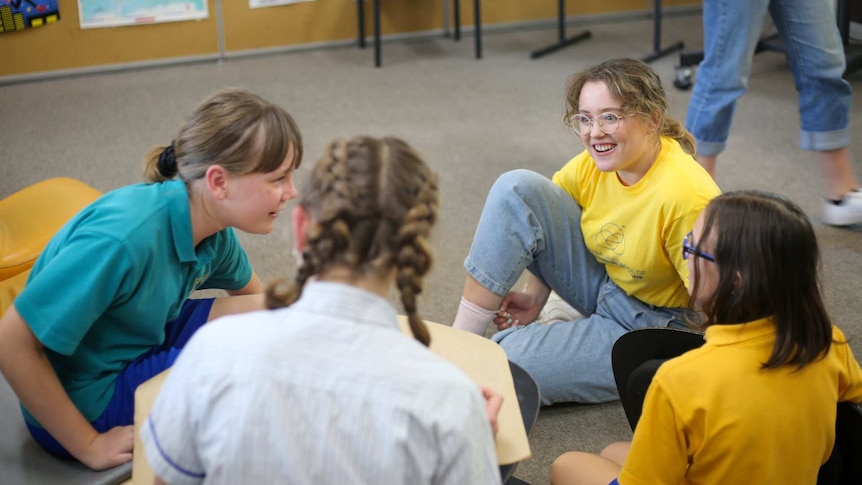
{"type": "Point", "coordinates": [714, 416]}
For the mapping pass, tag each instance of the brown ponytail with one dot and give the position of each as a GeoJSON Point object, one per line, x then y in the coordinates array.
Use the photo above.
{"type": "Point", "coordinates": [233, 128]}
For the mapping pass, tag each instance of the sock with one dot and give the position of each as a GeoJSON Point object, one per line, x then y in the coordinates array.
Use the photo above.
{"type": "Point", "coordinates": [473, 318]}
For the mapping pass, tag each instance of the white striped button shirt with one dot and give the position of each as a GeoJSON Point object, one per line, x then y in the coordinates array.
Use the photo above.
{"type": "Point", "coordinates": [327, 391]}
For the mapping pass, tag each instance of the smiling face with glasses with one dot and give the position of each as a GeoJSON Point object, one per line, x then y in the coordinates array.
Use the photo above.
{"type": "Point", "coordinates": [623, 143]}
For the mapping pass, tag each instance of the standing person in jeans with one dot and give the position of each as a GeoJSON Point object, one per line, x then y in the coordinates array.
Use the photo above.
{"type": "Point", "coordinates": [605, 234]}
{"type": "Point", "coordinates": [814, 48]}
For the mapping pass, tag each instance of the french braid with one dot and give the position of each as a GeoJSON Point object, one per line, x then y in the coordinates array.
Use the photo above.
{"type": "Point", "coordinates": [373, 202]}
{"type": "Point", "coordinates": [414, 257]}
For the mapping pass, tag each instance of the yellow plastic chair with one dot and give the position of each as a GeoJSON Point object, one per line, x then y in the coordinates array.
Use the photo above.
{"type": "Point", "coordinates": [30, 217]}
{"type": "Point", "coordinates": [9, 289]}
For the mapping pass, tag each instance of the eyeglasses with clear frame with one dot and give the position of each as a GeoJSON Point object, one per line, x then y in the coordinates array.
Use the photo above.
{"type": "Point", "coordinates": [608, 122]}
{"type": "Point", "coordinates": [688, 248]}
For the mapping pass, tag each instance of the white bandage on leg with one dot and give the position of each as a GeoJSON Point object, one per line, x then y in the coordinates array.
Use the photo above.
{"type": "Point", "coordinates": [473, 318]}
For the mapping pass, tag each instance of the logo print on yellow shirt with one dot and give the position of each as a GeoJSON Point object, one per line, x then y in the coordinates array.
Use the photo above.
{"type": "Point", "coordinates": [611, 237]}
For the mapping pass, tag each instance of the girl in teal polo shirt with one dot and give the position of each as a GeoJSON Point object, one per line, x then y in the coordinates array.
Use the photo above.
{"type": "Point", "coordinates": [90, 324]}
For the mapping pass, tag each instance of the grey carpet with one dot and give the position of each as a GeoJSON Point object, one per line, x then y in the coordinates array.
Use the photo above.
{"type": "Point", "coordinates": [472, 120]}
{"type": "Point", "coordinates": [23, 462]}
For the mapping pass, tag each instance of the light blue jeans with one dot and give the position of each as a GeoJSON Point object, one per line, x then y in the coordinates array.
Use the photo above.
{"type": "Point", "coordinates": [813, 42]}
{"type": "Point", "coordinates": [531, 223]}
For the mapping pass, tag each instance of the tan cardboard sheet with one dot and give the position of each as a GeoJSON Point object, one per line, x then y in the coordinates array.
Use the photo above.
{"type": "Point", "coordinates": [486, 363]}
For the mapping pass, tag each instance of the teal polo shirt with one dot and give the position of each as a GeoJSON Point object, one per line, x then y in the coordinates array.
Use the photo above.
{"type": "Point", "coordinates": [103, 289]}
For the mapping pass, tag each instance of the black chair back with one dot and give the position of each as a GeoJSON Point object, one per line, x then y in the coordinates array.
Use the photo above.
{"type": "Point", "coordinates": [529, 400]}
{"type": "Point", "coordinates": [844, 466]}
{"type": "Point", "coordinates": [636, 356]}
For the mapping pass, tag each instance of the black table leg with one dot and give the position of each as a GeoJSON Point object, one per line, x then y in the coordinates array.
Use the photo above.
{"type": "Point", "coordinates": [658, 50]}
{"type": "Point", "coordinates": [562, 41]}
{"type": "Point", "coordinates": [457, 20]}
{"type": "Point", "coordinates": [360, 14]}
{"type": "Point", "coordinates": [377, 59]}
{"type": "Point", "coordinates": [477, 10]}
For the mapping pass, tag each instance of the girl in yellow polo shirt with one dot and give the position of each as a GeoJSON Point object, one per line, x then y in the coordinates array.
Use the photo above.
{"type": "Point", "coordinates": [757, 402]}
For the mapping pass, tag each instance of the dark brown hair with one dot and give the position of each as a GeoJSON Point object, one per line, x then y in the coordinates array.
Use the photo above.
{"type": "Point", "coordinates": [373, 202]}
{"type": "Point", "coordinates": [768, 265]}
{"type": "Point", "coordinates": [638, 88]}
{"type": "Point", "coordinates": [233, 128]}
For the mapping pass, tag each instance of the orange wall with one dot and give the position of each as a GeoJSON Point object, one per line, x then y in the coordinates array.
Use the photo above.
{"type": "Point", "coordinates": [64, 45]}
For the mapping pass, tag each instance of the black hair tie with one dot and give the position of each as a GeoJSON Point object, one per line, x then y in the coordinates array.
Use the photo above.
{"type": "Point", "coordinates": [167, 163]}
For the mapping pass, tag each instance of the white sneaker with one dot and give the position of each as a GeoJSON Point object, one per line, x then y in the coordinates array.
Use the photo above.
{"type": "Point", "coordinates": [557, 310]}
{"type": "Point", "coordinates": [846, 212]}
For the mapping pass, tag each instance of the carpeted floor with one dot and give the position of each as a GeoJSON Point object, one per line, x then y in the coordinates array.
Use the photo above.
{"type": "Point", "coordinates": [471, 119]}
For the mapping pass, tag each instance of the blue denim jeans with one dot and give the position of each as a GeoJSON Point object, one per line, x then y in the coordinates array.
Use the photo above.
{"type": "Point", "coordinates": [531, 223]}
{"type": "Point", "coordinates": [814, 49]}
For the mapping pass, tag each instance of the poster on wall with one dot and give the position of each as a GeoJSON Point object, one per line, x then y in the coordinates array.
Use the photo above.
{"type": "Point", "coordinates": [115, 13]}
{"type": "Point", "coordinates": [272, 3]}
{"type": "Point", "coordinates": [24, 14]}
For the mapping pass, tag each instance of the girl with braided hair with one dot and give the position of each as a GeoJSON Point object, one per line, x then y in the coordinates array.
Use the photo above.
{"type": "Point", "coordinates": [90, 325]}
{"type": "Point", "coordinates": [324, 388]}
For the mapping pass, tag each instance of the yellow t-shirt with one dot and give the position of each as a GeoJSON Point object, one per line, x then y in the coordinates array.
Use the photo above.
{"type": "Point", "coordinates": [637, 231]}
{"type": "Point", "coordinates": [714, 416]}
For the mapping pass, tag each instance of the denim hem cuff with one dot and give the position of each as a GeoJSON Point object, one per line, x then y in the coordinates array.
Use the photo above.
{"type": "Point", "coordinates": [483, 280]}
{"type": "Point", "coordinates": [821, 141]}
{"type": "Point", "coordinates": [709, 148]}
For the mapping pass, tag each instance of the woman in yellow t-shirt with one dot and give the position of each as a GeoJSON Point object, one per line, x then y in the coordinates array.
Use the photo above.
{"type": "Point", "coordinates": [604, 234]}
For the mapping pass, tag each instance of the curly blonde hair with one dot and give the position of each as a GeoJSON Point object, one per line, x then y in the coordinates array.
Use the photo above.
{"type": "Point", "coordinates": [637, 86]}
